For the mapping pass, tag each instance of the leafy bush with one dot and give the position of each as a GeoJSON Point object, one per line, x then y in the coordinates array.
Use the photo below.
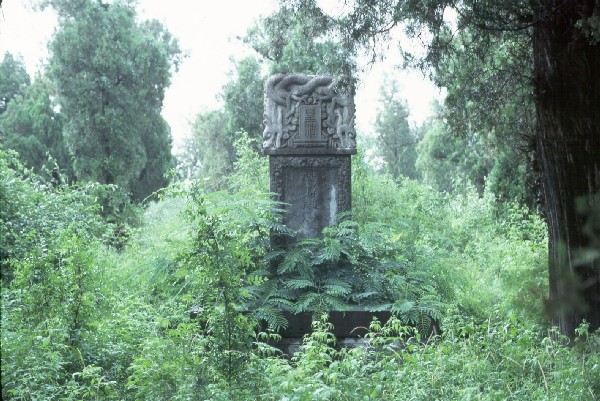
{"type": "Point", "coordinates": [501, 359]}
{"type": "Point", "coordinates": [172, 314]}
{"type": "Point", "coordinates": [51, 284]}
{"type": "Point", "coordinates": [479, 253]}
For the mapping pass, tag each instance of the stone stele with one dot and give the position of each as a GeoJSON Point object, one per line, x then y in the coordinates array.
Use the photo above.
{"type": "Point", "coordinates": [309, 137]}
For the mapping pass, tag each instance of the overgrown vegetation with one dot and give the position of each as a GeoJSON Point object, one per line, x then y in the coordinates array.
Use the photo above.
{"type": "Point", "coordinates": [165, 317]}
{"type": "Point", "coordinates": [180, 297]}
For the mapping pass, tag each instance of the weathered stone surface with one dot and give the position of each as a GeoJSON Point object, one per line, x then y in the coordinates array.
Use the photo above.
{"type": "Point", "coordinates": [349, 329]}
{"type": "Point", "coordinates": [304, 111]}
{"type": "Point", "coordinates": [309, 136]}
{"type": "Point", "coordinates": [316, 188]}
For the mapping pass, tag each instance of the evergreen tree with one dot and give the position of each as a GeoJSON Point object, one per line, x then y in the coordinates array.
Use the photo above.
{"type": "Point", "coordinates": [284, 43]}
{"type": "Point", "coordinates": [32, 125]}
{"type": "Point", "coordinates": [208, 152]}
{"type": "Point", "coordinates": [447, 160]}
{"type": "Point", "coordinates": [300, 42]}
{"type": "Point", "coordinates": [489, 108]}
{"type": "Point", "coordinates": [243, 102]}
{"type": "Point", "coordinates": [111, 73]}
{"type": "Point", "coordinates": [13, 77]}
{"type": "Point", "coordinates": [397, 143]}
{"type": "Point", "coordinates": [553, 54]}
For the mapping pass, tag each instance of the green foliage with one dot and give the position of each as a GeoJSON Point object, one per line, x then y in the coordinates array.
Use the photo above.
{"type": "Point", "coordinates": [501, 140]}
{"type": "Point", "coordinates": [448, 161]}
{"type": "Point", "coordinates": [198, 160]}
{"type": "Point", "coordinates": [51, 280]}
{"type": "Point", "coordinates": [172, 314]}
{"type": "Point", "coordinates": [243, 100]}
{"type": "Point", "coordinates": [502, 358]}
{"type": "Point", "coordinates": [35, 212]}
{"type": "Point", "coordinates": [33, 127]}
{"type": "Point", "coordinates": [480, 255]}
{"type": "Point", "coordinates": [13, 78]}
{"type": "Point", "coordinates": [251, 170]}
{"type": "Point", "coordinates": [297, 41]}
{"type": "Point", "coordinates": [346, 270]}
{"type": "Point", "coordinates": [397, 142]}
{"type": "Point", "coordinates": [111, 72]}
{"type": "Point", "coordinates": [207, 278]}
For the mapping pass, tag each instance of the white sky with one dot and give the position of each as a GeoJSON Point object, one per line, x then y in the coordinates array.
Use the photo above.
{"type": "Point", "coordinates": [207, 31]}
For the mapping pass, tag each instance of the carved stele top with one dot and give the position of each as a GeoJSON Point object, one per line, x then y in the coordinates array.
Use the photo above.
{"type": "Point", "coordinates": [305, 112]}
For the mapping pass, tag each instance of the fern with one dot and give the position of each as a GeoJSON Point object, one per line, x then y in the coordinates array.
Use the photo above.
{"type": "Point", "coordinates": [335, 286]}
{"type": "Point", "coordinates": [403, 307]}
{"type": "Point", "coordinates": [273, 316]}
{"type": "Point", "coordinates": [299, 284]}
{"type": "Point", "coordinates": [330, 252]}
{"type": "Point", "coordinates": [352, 267]}
{"type": "Point", "coordinates": [307, 302]}
{"type": "Point", "coordinates": [294, 260]}
{"type": "Point", "coordinates": [424, 323]}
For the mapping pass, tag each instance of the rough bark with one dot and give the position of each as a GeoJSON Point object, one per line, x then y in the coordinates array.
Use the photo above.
{"type": "Point", "coordinates": [567, 96]}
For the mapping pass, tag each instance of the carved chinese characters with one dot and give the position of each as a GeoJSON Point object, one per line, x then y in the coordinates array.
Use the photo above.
{"type": "Point", "coordinates": [305, 111]}
{"type": "Point", "coordinates": [314, 188]}
{"type": "Point", "coordinates": [309, 137]}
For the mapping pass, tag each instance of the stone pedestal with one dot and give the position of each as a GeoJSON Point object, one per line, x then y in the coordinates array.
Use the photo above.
{"type": "Point", "coordinates": [349, 329]}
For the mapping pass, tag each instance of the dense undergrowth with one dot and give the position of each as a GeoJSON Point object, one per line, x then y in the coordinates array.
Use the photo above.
{"type": "Point", "coordinates": [169, 311]}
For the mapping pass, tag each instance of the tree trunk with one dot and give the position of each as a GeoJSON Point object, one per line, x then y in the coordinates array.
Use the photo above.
{"type": "Point", "coordinates": [567, 96]}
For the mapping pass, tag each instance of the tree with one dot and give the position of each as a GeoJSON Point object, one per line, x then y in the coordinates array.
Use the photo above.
{"type": "Point", "coordinates": [448, 159]}
{"type": "Point", "coordinates": [32, 125]}
{"type": "Point", "coordinates": [284, 44]}
{"type": "Point", "coordinates": [13, 77]}
{"type": "Point", "coordinates": [397, 143]}
{"type": "Point", "coordinates": [567, 98]}
{"type": "Point", "coordinates": [208, 152]}
{"type": "Point", "coordinates": [495, 121]}
{"type": "Point", "coordinates": [243, 101]}
{"type": "Point", "coordinates": [301, 43]}
{"type": "Point", "coordinates": [111, 73]}
{"type": "Point", "coordinates": [557, 41]}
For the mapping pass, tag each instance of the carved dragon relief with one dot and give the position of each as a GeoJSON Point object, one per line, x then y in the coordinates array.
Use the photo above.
{"type": "Point", "coordinates": [304, 110]}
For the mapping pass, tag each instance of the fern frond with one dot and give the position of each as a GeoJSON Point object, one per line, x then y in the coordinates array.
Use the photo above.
{"type": "Point", "coordinates": [299, 284]}
{"type": "Point", "coordinates": [282, 303]}
{"type": "Point", "coordinates": [329, 303]}
{"type": "Point", "coordinates": [333, 289]}
{"type": "Point", "coordinates": [273, 255]}
{"type": "Point", "coordinates": [294, 259]}
{"type": "Point", "coordinates": [273, 316]}
{"type": "Point", "coordinates": [403, 307]}
{"type": "Point", "coordinates": [330, 252]}
{"type": "Point", "coordinates": [424, 323]}
{"type": "Point", "coordinates": [306, 302]}
{"type": "Point", "coordinates": [336, 286]}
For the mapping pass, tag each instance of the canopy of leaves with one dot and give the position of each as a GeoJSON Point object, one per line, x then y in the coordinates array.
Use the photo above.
{"type": "Point", "coordinates": [32, 125]}
{"type": "Point", "coordinates": [13, 77]}
{"type": "Point", "coordinates": [111, 73]}
{"type": "Point", "coordinates": [397, 141]}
